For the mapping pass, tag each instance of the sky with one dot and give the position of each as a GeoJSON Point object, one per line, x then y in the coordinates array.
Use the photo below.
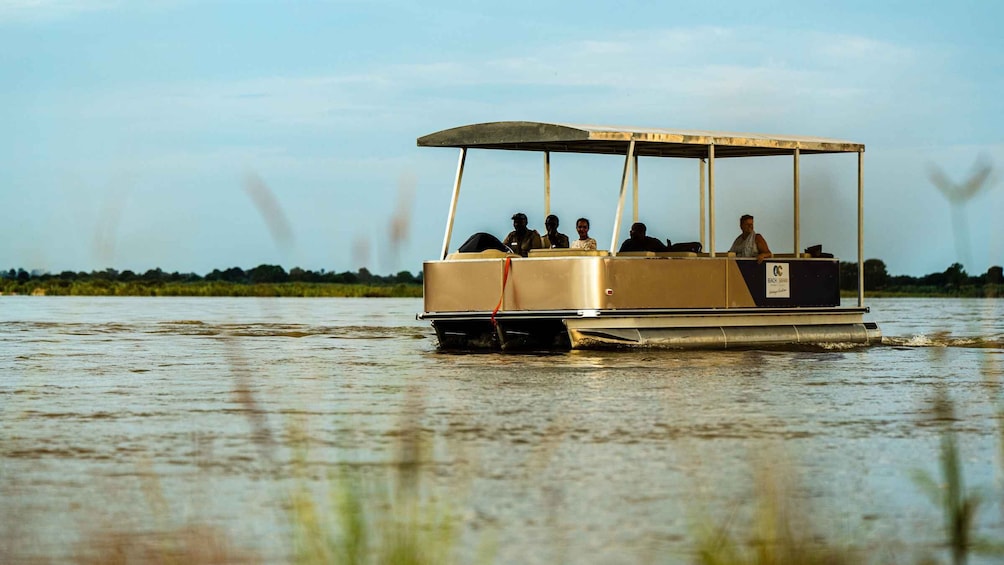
{"type": "Point", "coordinates": [191, 136]}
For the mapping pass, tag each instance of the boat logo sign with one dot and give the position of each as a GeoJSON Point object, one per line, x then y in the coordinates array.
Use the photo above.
{"type": "Point", "coordinates": [777, 281]}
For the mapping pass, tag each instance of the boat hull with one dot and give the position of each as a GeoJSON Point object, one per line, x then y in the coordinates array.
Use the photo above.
{"type": "Point", "coordinates": [555, 331]}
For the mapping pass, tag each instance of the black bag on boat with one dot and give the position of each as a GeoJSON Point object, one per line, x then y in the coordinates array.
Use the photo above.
{"type": "Point", "coordinates": [692, 246]}
{"type": "Point", "coordinates": [482, 241]}
{"type": "Point", "coordinates": [816, 251]}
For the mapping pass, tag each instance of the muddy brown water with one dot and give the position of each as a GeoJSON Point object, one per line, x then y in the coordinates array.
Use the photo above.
{"type": "Point", "coordinates": [133, 414]}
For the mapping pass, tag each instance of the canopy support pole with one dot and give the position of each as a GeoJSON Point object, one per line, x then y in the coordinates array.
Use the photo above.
{"type": "Point", "coordinates": [634, 181]}
{"type": "Point", "coordinates": [453, 202]}
{"type": "Point", "coordinates": [711, 199]}
{"type": "Point", "coordinates": [797, 211]}
{"type": "Point", "coordinates": [704, 210]}
{"type": "Point", "coordinates": [547, 183]}
{"type": "Point", "coordinates": [620, 199]}
{"type": "Point", "coordinates": [861, 229]}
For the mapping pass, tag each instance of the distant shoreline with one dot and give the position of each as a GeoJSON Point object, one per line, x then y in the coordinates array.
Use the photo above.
{"type": "Point", "coordinates": [342, 290]}
{"type": "Point", "coordinates": [216, 289]}
{"type": "Point", "coordinates": [273, 280]}
{"type": "Point", "coordinates": [971, 292]}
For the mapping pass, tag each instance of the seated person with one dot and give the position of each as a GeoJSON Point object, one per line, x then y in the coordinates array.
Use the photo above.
{"type": "Point", "coordinates": [750, 243]}
{"type": "Point", "coordinates": [520, 239]}
{"type": "Point", "coordinates": [552, 239]}
{"type": "Point", "coordinates": [584, 241]}
{"type": "Point", "coordinates": [641, 242]}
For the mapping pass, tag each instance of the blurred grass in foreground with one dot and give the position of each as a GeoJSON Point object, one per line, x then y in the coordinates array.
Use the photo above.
{"type": "Point", "coordinates": [374, 514]}
{"type": "Point", "coordinates": [782, 530]}
{"type": "Point", "coordinates": [959, 505]}
{"type": "Point", "coordinates": [358, 514]}
{"type": "Point", "coordinates": [385, 513]}
{"type": "Point", "coordinates": [390, 512]}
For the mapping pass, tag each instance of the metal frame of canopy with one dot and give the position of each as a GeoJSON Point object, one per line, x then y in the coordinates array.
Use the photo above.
{"type": "Point", "coordinates": [633, 142]}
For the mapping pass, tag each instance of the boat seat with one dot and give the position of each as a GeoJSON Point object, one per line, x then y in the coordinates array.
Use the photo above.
{"type": "Point", "coordinates": [721, 254]}
{"type": "Point", "coordinates": [791, 256]}
{"type": "Point", "coordinates": [566, 252]}
{"type": "Point", "coordinates": [676, 254]}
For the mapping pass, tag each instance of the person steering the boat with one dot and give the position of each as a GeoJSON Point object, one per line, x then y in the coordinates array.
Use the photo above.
{"type": "Point", "coordinates": [750, 243]}
{"type": "Point", "coordinates": [521, 240]}
{"type": "Point", "coordinates": [552, 239]}
{"type": "Point", "coordinates": [641, 242]}
{"type": "Point", "coordinates": [584, 241]}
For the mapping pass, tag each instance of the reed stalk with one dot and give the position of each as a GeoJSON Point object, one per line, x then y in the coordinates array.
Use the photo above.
{"type": "Point", "coordinates": [781, 530]}
{"type": "Point", "coordinates": [959, 506]}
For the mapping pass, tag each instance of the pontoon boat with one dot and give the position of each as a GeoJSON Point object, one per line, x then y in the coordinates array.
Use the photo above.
{"type": "Point", "coordinates": [496, 300]}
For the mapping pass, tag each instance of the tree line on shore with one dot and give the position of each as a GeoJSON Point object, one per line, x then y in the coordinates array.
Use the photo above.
{"type": "Point", "coordinates": [953, 281]}
{"type": "Point", "coordinates": [259, 274]}
{"type": "Point", "coordinates": [263, 280]}
{"type": "Point", "coordinates": [273, 280]}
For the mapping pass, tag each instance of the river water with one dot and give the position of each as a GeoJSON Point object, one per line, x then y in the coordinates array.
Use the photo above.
{"type": "Point", "coordinates": [144, 415]}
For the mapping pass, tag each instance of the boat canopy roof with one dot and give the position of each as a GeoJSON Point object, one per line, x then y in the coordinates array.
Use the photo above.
{"type": "Point", "coordinates": [613, 140]}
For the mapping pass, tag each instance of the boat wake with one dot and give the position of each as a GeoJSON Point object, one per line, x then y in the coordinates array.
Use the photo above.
{"type": "Point", "coordinates": [945, 340]}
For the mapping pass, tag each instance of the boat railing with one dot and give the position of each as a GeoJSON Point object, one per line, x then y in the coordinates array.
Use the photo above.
{"type": "Point", "coordinates": [791, 256]}
{"type": "Point", "coordinates": [564, 252]}
{"type": "Point", "coordinates": [486, 254]}
{"type": "Point", "coordinates": [636, 254]}
{"type": "Point", "coordinates": [567, 252]}
{"type": "Point", "coordinates": [657, 254]}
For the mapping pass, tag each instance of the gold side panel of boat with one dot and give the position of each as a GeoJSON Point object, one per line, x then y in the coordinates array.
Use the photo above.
{"type": "Point", "coordinates": [584, 283]}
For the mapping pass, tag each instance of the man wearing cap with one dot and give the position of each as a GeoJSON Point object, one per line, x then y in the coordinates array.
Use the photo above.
{"type": "Point", "coordinates": [520, 239]}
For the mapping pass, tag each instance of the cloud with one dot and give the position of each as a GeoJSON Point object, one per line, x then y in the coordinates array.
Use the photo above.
{"type": "Point", "coordinates": [696, 77]}
{"type": "Point", "coordinates": [734, 79]}
{"type": "Point", "coordinates": [354, 125]}
{"type": "Point", "coordinates": [743, 77]}
{"type": "Point", "coordinates": [722, 74]}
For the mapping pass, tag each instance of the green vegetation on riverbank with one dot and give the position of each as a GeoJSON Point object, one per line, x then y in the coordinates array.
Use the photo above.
{"type": "Point", "coordinates": [262, 281]}
{"type": "Point", "coordinates": [273, 280]}
{"type": "Point", "coordinates": [216, 288]}
{"type": "Point", "coordinates": [952, 282]}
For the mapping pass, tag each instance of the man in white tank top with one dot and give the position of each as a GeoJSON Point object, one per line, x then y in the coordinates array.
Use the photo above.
{"type": "Point", "coordinates": [750, 243]}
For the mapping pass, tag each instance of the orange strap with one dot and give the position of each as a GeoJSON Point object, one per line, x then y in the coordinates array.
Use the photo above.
{"type": "Point", "coordinates": [505, 278]}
